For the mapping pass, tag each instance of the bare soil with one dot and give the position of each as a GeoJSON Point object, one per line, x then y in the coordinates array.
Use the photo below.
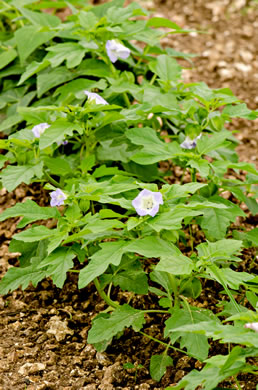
{"type": "Point", "coordinates": [43, 330]}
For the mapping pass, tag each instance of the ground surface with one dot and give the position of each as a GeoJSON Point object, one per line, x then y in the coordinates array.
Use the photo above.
{"type": "Point", "coordinates": [43, 331]}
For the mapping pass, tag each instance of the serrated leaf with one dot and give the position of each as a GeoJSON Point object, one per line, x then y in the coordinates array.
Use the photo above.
{"type": "Point", "coordinates": [57, 132]}
{"type": "Point", "coordinates": [123, 317]}
{"type": "Point", "coordinates": [196, 346]}
{"type": "Point", "coordinates": [166, 68]}
{"type": "Point", "coordinates": [207, 144]}
{"type": "Point", "coordinates": [218, 249]}
{"type": "Point", "coordinates": [12, 176]}
{"type": "Point", "coordinates": [110, 253]}
{"type": "Point", "coordinates": [33, 68]}
{"type": "Point", "coordinates": [70, 52]}
{"type": "Point", "coordinates": [30, 212]}
{"type": "Point", "coordinates": [42, 19]}
{"type": "Point", "coordinates": [23, 276]}
{"type": "Point", "coordinates": [58, 262]}
{"type": "Point", "coordinates": [50, 78]}
{"type": "Point", "coordinates": [158, 365]}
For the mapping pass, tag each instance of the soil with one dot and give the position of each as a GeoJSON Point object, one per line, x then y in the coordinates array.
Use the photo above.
{"type": "Point", "coordinates": [43, 343]}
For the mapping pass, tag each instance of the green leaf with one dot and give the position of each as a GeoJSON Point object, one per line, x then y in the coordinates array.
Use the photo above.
{"type": "Point", "coordinates": [28, 38]}
{"type": "Point", "coordinates": [42, 19]}
{"type": "Point", "coordinates": [110, 253]}
{"type": "Point", "coordinates": [30, 212]}
{"type": "Point", "coordinates": [172, 219]}
{"type": "Point", "coordinates": [152, 247]}
{"type": "Point", "coordinates": [23, 276]}
{"type": "Point", "coordinates": [252, 235]}
{"type": "Point", "coordinates": [179, 191]}
{"type": "Point", "coordinates": [33, 68]}
{"type": "Point", "coordinates": [158, 366]}
{"type": "Point", "coordinates": [166, 68]}
{"type": "Point", "coordinates": [58, 262]}
{"type": "Point", "coordinates": [175, 264]}
{"type": "Point", "coordinates": [106, 328]}
{"type": "Point", "coordinates": [6, 57]}
{"type": "Point", "coordinates": [240, 111]}
{"type": "Point", "coordinates": [50, 78]}
{"type": "Point", "coordinates": [58, 165]}
{"type": "Point", "coordinates": [222, 248]}
{"type": "Point", "coordinates": [12, 176]}
{"type": "Point", "coordinates": [131, 277]}
{"type": "Point", "coordinates": [57, 132]}
{"type": "Point", "coordinates": [196, 346]}
{"type": "Point", "coordinates": [70, 52]}
{"type": "Point", "coordinates": [162, 22]}
{"type": "Point", "coordinates": [35, 233]}
{"type": "Point", "coordinates": [201, 165]}
{"type": "Point", "coordinates": [207, 144]}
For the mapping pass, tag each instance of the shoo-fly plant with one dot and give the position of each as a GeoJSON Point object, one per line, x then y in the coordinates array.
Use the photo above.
{"type": "Point", "coordinates": [91, 110]}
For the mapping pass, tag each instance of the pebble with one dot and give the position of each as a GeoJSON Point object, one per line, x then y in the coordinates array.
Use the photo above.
{"type": "Point", "coordinates": [31, 368]}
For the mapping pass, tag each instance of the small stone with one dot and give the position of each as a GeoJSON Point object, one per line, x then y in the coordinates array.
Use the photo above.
{"type": "Point", "coordinates": [31, 368]}
{"type": "Point", "coordinates": [59, 328]}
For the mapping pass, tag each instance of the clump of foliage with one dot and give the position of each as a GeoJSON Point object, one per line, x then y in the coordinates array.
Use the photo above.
{"type": "Point", "coordinates": [90, 107]}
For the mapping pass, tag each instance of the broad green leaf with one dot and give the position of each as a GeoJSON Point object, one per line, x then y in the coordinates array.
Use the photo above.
{"type": "Point", "coordinates": [6, 57]}
{"type": "Point", "coordinates": [218, 249]}
{"type": "Point", "coordinates": [196, 346]}
{"type": "Point", "coordinates": [122, 317]}
{"type": "Point", "coordinates": [28, 38]}
{"type": "Point", "coordinates": [30, 212]}
{"type": "Point", "coordinates": [179, 191]}
{"type": "Point", "coordinates": [252, 235]}
{"type": "Point", "coordinates": [240, 111]}
{"type": "Point", "coordinates": [70, 52]}
{"type": "Point", "coordinates": [162, 22]}
{"type": "Point", "coordinates": [58, 165]}
{"type": "Point", "coordinates": [35, 233]}
{"type": "Point", "coordinates": [175, 264]}
{"type": "Point", "coordinates": [92, 67]}
{"type": "Point", "coordinates": [234, 279]}
{"type": "Point", "coordinates": [50, 78]}
{"type": "Point", "coordinates": [201, 165]}
{"type": "Point", "coordinates": [158, 365]}
{"type": "Point", "coordinates": [33, 68]}
{"type": "Point", "coordinates": [57, 132]}
{"type": "Point", "coordinates": [42, 19]}
{"type": "Point", "coordinates": [12, 176]}
{"type": "Point", "coordinates": [87, 20]}
{"type": "Point", "coordinates": [110, 253]}
{"type": "Point", "coordinates": [22, 277]}
{"type": "Point", "coordinates": [166, 68]}
{"type": "Point", "coordinates": [58, 262]}
{"type": "Point", "coordinates": [172, 219]}
{"type": "Point", "coordinates": [215, 223]}
{"type": "Point", "coordinates": [152, 247]}
{"type": "Point", "coordinates": [207, 144]}
{"type": "Point", "coordinates": [131, 277]}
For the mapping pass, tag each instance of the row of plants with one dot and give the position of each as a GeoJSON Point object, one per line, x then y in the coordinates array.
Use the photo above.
{"type": "Point", "coordinates": [92, 107]}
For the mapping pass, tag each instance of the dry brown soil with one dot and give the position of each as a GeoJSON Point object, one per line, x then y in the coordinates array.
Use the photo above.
{"type": "Point", "coordinates": [43, 330]}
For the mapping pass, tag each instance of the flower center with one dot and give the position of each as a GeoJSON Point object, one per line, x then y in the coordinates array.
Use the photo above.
{"type": "Point", "coordinates": [147, 203]}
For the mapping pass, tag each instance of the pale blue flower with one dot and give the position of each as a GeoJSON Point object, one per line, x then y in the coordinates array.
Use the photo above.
{"type": "Point", "coordinates": [190, 143]}
{"type": "Point", "coordinates": [147, 203]}
{"type": "Point", "coordinates": [38, 130]}
{"type": "Point", "coordinates": [252, 325]}
{"type": "Point", "coordinates": [95, 98]}
{"type": "Point", "coordinates": [116, 50]}
{"type": "Point", "coordinates": [57, 198]}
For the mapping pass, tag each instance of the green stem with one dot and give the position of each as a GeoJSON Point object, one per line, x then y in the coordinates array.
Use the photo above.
{"type": "Point", "coordinates": [193, 175]}
{"type": "Point", "coordinates": [166, 344]}
{"type": "Point", "coordinates": [104, 296]}
{"type": "Point", "coordinates": [153, 79]}
{"type": "Point", "coordinates": [237, 383]}
{"type": "Point", "coordinates": [173, 285]}
{"type": "Point", "coordinates": [216, 272]}
{"type": "Point", "coordinates": [51, 180]}
{"type": "Point", "coordinates": [155, 311]}
{"type": "Point", "coordinates": [126, 99]}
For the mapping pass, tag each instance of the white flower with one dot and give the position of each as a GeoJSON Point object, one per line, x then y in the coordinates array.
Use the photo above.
{"type": "Point", "coordinates": [252, 325]}
{"type": "Point", "coordinates": [116, 50]}
{"type": "Point", "coordinates": [57, 198]}
{"type": "Point", "coordinates": [147, 202]}
{"type": "Point", "coordinates": [190, 143]}
{"type": "Point", "coordinates": [95, 98]}
{"type": "Point", "coordinates": [38, 130]}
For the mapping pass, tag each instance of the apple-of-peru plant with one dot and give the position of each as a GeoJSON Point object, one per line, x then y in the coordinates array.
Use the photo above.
{"type": "Point", "coordinates": [91, 106]}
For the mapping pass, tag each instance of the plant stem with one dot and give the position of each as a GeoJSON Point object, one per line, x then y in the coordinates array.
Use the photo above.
{"type": "Point", "coordinates": [166, 344]}
{"type": "Point", "coordinates": [51, 180]}
{"type": "Point", "coordinates": [153, 79]}
{"type": "Point", "coordinates": [104, 295]}
{"type": "Point", "coordinates": [237, 383]}
{"type": "Point", "coordinates": [126, 99]}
